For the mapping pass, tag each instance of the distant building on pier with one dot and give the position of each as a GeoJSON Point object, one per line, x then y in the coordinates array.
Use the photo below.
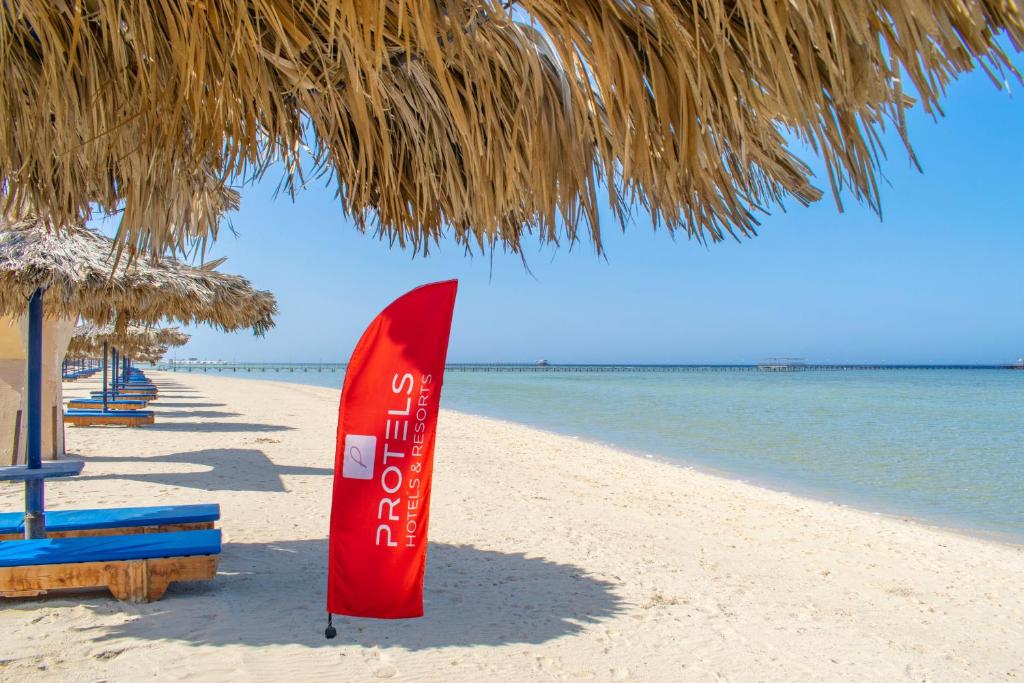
{"type": "Point", "coordinates": [782, 364]}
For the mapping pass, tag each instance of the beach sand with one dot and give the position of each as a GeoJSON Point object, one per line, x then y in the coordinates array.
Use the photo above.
{"type": "Point", "coordinates": [550, 558]}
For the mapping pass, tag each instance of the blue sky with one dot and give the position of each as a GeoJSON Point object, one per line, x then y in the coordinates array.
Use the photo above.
{"type": "Point", "coordinates": [939, 279]}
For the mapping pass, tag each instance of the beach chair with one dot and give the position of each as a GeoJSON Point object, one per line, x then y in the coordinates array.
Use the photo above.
{"type": "Point", "coordinates": [125, 390]}
{"type": "Point", "coordinates": [130, 388]}
{"type": "Point", "coordinates": [77, 374]}
{"type": "Point", "coordinates": [99, 418]}
{"type": "Point", "coordinates": [137, 568]}
{"type": "Point", "coordinates": [125, 403]}
{"type": "Point", "coordinates": [115, 521]}
{"type": "Point", "coordinates": [136, 391]}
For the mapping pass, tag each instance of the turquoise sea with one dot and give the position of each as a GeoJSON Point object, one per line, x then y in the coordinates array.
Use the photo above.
{"type": "Point", "coordinates": [943, 446]}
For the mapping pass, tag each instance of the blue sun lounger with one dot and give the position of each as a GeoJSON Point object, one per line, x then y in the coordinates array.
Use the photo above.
{"type": "Point", "coordinates": [95, 418]}
{"type": "Point", "coordinates": [72, 376]}
{"type": "Point", "coordinates": [125, 403]}
{"type": "Point", "coordinates": [137, 568]}
{"type": "Point", "coordinates": [115, 521]}
{"type": "Point", "coordinates": [121, 388]}
{"type": "Point", "coordinates": [98, 393]}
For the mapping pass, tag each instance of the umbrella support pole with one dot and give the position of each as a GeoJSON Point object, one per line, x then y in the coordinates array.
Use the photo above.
{"type": "Point", "coordinates": [105, 376]}
{"type": "Point", "coordinates": [113, 371]}
{"type": "Point", "coordinates": [35, 517]}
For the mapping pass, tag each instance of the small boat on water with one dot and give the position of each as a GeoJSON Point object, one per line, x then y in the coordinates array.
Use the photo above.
{"type": "Point", "coordinates": [1019, 365]}
{"type": "Point", "coordinates": [542, 363]}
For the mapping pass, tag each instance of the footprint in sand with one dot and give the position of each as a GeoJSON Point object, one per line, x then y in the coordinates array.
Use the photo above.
{"type": "Point", "coordinates": [379, 665]}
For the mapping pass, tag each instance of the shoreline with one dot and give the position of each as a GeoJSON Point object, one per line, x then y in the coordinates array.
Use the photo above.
{"type": "Point", "coordinates": [550, 558]}
{"type": "Point", "coordinates": [775, 484]}
{"type": "Point", "coordinates": [1000, 538]}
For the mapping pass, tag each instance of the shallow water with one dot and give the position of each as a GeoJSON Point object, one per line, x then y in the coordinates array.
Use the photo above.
{"type": "Point", "coordinates": [946, 446]}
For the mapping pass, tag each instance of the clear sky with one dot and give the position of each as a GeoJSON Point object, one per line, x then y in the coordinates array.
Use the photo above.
{"type": "Point", "coordinates": [940, 279]}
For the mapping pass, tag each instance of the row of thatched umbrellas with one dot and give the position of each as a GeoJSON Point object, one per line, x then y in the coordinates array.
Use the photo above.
{"type": "Point", "coordinates": [137, 341]}
{"type": "Point", "coordinates": [132, 343]}
{"type": "Point", "coordinates": [76, 272]}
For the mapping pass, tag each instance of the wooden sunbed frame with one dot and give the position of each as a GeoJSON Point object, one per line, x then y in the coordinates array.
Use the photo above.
{"type": "Point", "coordinates": [119, 531]}
{"type": "Point", "coordinates": [110, 419]}
{"type": "Point", "coordinates": [131, 580]}
{"type": "Point", "coordinates": [126, 403]}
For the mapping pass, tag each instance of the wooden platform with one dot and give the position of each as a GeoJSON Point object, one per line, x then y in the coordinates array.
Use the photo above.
{"type": "Point", "coordinates": [110, 419]}
{"type": "Point", "coordinates": [117, 531]}
{"type": "Point", "coordinates": [130, 580]}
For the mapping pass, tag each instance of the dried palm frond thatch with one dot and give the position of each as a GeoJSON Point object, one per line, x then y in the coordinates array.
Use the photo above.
{"type": "Point", "coordinates": [170, 336]}
{"type": "Point", "coordinates": [149, 354]}
{"type": "Point", "coordinates": [134, 341]}
{"type": "Point", "coordinates": [492, 118]}
{"type": "Point", "coordinates": [81, 276]}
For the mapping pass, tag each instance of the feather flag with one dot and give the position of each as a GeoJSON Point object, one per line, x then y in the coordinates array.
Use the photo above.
{"type": "Point", "coordinates": [384, 457]}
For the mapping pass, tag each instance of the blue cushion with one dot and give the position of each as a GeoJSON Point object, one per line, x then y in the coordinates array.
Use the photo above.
{"type": "Point", "coordinates": [109, 548]}
{"type": "Point", "coordinates": [88, 412]}
{"type": "Point", "coordinates": [113, 518]}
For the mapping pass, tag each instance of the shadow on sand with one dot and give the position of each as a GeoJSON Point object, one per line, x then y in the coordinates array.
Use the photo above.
{"type": "Point", "coordinates": [196, 413]}
{"type": "Point", "coordinates": [229, 469]}
{"type": "Point", "coordinates": [471, 597]}
{"type": "Point", "coordinates": [186, 404]}
{"type": "Point", "coordinates": [216, 427]}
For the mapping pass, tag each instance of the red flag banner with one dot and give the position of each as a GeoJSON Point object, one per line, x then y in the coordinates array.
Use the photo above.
{"type": "Point", "coordinates": [385, 455]}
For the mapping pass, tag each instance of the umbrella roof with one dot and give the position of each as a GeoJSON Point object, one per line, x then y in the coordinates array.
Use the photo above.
{"type": "Point", "coordinates": [136, 341]}
{"type": "Point", "coordinates": [149, 354]}
{"type": "Point", "coordinates": [492, 118]}
{"type": "Point", "coordinates": [81, 276]}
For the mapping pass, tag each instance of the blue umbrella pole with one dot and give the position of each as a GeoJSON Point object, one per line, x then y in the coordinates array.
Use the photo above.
{"type": "Point", "coordinates": [35, 516]}
{"type": "Point", "coordinates": [105, 349]}
{"type": "Point", "coordinates": [113, 371]}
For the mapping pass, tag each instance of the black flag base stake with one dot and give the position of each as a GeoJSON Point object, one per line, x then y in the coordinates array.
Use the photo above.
{"type": "Point", "coordinates": [330, 631]}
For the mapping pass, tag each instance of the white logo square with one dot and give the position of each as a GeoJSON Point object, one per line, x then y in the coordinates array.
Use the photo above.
{"type": "Point", "coordinates": [360, 453]}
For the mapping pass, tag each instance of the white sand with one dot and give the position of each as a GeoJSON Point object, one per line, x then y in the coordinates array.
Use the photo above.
{"type": "Point", "coordinates": [551, 558]}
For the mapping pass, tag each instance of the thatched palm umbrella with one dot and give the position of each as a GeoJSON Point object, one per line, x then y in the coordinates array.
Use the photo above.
{"type": "Point", "coordinates": [82, 276]}
{"type": "Point", "coordinates": [76, 269]}
{"type": "Point", "coordinates": [491, 117]}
